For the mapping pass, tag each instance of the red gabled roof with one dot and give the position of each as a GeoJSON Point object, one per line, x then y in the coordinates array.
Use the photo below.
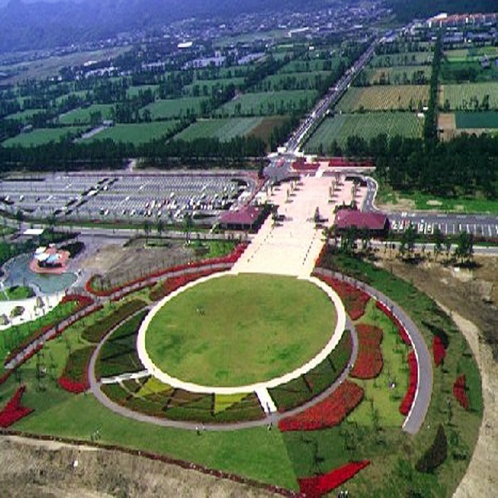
{"type": "Point", "coordinates": [243, 216]}
{"type": "Point", "coordinates": [346, 218]}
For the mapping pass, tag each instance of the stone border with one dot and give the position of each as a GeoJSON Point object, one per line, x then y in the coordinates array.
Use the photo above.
{"type": "Point", "coordinates": [188, 386]}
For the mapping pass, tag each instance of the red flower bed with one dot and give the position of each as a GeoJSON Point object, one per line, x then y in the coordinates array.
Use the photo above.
{"type": "Point", "coordinates": [438, 351]}
{"type": "Point", "coordinates": [354, 299]}
{"type": "Point", "coordinates": [317, 486]}
{"type": "Point", "coordinates": [460, 393]}
{"type": "Point", "coordinates": [369, 362]}
{"type": "Point", "coordinates": [73, 386]}
{"type": "Point", "coordinates": [407, 402]}
{"type": "Point", "coordinates": [82, 301]}
{"type": "Point", "coordinates": [13, 411]}
{"type": "Point", "coordinates": [401, 329]}
{"type": "Point", "coordinates": [327, 413]}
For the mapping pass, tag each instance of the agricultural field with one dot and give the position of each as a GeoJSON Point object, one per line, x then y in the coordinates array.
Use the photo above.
{"type": "Point", "coordinates": [205, 88]}
{"type": "Point", "coordinates": [384, 98]}
{"type": "Point", "coordinates": [467, 71]}
{"type": "Point", "coordinates": [223, 129]}
{"type": "Point", "coordinates": [469, 96]}
{"type": "Point", "coordinates": [44, 136]}
{"type": "Point", "coordinates": [133, 91]}
{"type": "Point", "coordinates": [398, 75]}
{"type": "Point", "coordinates": [470, 54]}
{"type": "Point", "coordinates": [175, 108]}
{"type": "Point", "coordinates": [136, 133]}
{"type": "Point", "coordinates": [268, 103]}
{"type": "Point", "coordinates": [477, 120]}
{"type": "Point", "coordinates": [313, 65]}
{"type": "Point", "coordinates": [402, 59]}
{"type": "Point", "coordinates": [293, 81]}
{"type": "Point", "coordinates": [366, 126]}
{"type": "Point", "coordinates": [84, 115]}
{"type": "Point", "coordinates": [24, 116]}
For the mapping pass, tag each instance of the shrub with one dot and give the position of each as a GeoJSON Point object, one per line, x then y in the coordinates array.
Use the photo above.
{"type": "Point", "coordinates": [438, 351]}
{"type": "Point", "coordinates": [436, 454]}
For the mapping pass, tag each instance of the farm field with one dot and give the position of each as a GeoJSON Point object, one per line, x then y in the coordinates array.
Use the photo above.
{"type": "Point", "coordinates": [398, 75]}
{"type": "Point", "coordinates": [133, 91]}
{"type": "Point", "coordinates": [136, 133]}
{"type": "Point", "coordinates": [24, 116]}
{"type": "Point", "coordinates": [463, 96]}
{"type": "Point", "coordinates": [292, 81]}
{"type": "Point", "coordinates": [300, 66]}
{"type": "Point", "coordinates": [384, 98]}
{"type": "Point", "coordinates": [83, 115]}
{"type": "Point", "coordinates": [477, 120]}
{"type": "Point", "coordinates": [175, 108]}
{"type": "Point", "coordinates": [268, 103]}
{"type": "Point", "coordinates": [470, 54]}
{"type": "Point", "coordinates": [205, 87]}
{"type": "Point", "coordinates": [223, 129]}
{"type": "Point", "coordinates": [43, 136]}
{"type": "Point", "coordinates": [467, 71]}
{"type": "Point", "coordinates": [402, 59]}
{"type": "Point", "coordinates": [366, 126]}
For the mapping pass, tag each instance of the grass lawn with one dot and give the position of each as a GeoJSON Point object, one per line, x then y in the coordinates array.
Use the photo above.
{"type": "Point", "coordinates": [251, 329]}
{"type": "Point", "coordinates": [380, 397]}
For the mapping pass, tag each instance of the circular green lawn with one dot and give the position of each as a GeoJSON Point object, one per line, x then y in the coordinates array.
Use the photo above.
{"type": "Point", "coordinates": [238, 330]}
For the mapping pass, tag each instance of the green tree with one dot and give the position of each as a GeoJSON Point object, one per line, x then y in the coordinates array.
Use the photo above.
{"type": "Point", "coordinates": [464, 250]}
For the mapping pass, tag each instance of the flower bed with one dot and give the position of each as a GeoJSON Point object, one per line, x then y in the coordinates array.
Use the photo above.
{"type": "Point", "coordinates": [460, 393]}
{"type": "Point", "coordinates": [369, 362]}
{"type": "Point", "coordinates": [75, 376]}
{"type": "Point", "coordinates": [438, 351]}
{"type": "Point", "coordinates": [327, 413]}
{"type": "Point", "coordinates": [407, 402]}
{"type": "Point", "coordinates": [401, 329]}
{"type": "Point", "coordinates": [317, 486]}
{"type": "Point", "coordinates": [354, 299]}
{"type": "Point", "coordinates": [230, 259]}
{"type": "Point", "coordinates": [174, 283]}
{"type": "Point", "coordinates": [13, 410]}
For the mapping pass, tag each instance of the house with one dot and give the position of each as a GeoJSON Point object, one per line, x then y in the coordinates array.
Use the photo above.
{"type": "Point", "coordinates": [248, 218]}
{"type": "Point", "coordinates": [376, 223]}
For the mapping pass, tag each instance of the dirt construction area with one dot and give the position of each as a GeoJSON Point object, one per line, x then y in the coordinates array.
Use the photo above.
{"type": "Point", "coordinates": [37, 469]}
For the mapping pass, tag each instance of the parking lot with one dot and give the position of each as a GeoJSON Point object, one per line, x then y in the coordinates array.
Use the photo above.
{"type": "Point", "coordinates": [485, 226]}
{"type": "Point", "coordinates": [125, 197]}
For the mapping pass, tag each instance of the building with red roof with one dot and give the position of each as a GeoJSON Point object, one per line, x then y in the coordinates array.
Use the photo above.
{"type": "Point", "coordinates": [375, 223]}
{"type": "Point", "coordinates": [247, 218]}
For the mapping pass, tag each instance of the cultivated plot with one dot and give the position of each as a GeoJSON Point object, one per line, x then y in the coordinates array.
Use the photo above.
{"type": "Point", "coordinates": [469, 96]}
{"type": "Point", "coordinates": [175, 108]}
{"type": "Point", "coordinates": [86, 115]}
{"type": "Point", "coordinates": [44, 136]}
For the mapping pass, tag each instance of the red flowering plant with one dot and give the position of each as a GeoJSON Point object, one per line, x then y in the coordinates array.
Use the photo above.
{"type": "Point", "coordinates": [327, 413]}
{"type": "Point", "coordinates": [13, 410]}
{"type": "Point", "coordinates": [369, 362]}
{"type": "Point", "coordinates": [460, 392]}
{"type": "Point", "coordinates": [438, 351]}
{"type": "Point", "coordinates": [407, 402]}
{"type": "Point", "coordinates": [317, 486]}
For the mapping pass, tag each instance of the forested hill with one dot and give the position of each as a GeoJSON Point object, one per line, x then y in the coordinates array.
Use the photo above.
{"type": "Point", "coordinates": [40, 24]}
{"type": "Point", "coordinates": [408, 10]}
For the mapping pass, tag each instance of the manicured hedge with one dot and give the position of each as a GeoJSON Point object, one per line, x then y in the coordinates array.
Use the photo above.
{"type": "Point", "coordinates": [327, 413]}
{"type": "Point", "coordinates": [75, 376]}
{"type": "Point", "coordinates": [460, 392]}
{"type": "Point", "coordinates": [302, 389]}
{"type": "Point", "coordinates": [95, 332]}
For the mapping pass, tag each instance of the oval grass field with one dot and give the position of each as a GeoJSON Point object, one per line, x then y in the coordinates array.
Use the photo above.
{"type": "Point", "coordinates": [238, 330]}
